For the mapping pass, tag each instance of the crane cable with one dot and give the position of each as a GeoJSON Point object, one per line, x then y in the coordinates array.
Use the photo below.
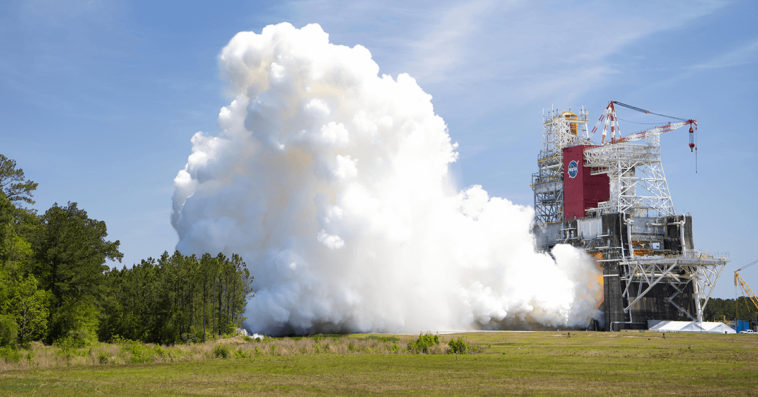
{"type": "Point", "coordinates": [647, 111]}
{"type": "Point", "coordinates": [747, 266]}
{"type": "Point", "coordinates": [635, 122]}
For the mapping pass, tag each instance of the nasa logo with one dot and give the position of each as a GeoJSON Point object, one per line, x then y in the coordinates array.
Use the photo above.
{"type": "Point", "coordinates": [573, 169]}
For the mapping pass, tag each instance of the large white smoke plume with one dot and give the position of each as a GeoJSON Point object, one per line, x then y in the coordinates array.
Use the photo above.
{"type": "Point", "coordinates": [332, 183]}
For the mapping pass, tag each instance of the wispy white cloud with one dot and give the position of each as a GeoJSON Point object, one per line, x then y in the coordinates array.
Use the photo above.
{"type": "Point", "coordinates": [743, 55]}
{"type": "Point", "coordinates": [441, 48]}
{"type": "Point", "coordinates": [488, 54]}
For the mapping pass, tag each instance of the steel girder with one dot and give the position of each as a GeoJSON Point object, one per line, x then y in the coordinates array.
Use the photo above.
{"type": "Point", "coordinates": [701, 269]}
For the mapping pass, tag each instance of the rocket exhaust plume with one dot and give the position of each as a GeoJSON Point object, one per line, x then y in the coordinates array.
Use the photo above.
{"type": "Point", "coordinates": [332, 183]}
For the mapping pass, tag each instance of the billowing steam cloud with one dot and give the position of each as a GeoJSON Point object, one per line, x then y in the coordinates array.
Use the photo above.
{"type": "Point", "coordinates": [332, 183]}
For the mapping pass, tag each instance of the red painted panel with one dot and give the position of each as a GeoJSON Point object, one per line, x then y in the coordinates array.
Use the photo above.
{"type": "Point", "coordinates": [573, 182]}
{"type": "Point", "coordinates": [581, 189]}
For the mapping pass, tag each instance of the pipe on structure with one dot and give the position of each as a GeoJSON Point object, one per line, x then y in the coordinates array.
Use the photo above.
{"type": "Point", "coordinates": [625, 322]}
{"type": "Point", "coordinates": [629, 224]}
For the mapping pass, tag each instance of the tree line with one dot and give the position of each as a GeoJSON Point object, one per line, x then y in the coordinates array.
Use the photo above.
{"type": "Point", "coordinates": [177, 298]}
{"type": "Point", "coordinates": [741, 308]}
{"type": "Point", "coordinates": [56, 287]}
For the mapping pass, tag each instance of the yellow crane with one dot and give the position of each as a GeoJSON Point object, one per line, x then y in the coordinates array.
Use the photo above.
{"type": "Point", "coordinates": [740, 283]}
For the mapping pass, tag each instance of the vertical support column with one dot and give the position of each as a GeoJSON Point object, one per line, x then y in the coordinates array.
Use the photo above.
{"type": "Point", "coordinates": [612, 299]}
{"type": "Point", "coordinates": [696, 295]}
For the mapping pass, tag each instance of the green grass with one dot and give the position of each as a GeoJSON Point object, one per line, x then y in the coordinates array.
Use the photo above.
{"type": "Point", "coordinates": [520, 363]}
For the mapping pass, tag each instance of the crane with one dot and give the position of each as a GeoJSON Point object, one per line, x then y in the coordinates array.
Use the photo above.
{"type": "Point", "coordinates": [739, 282]}
{"type": "Point", "coordinates": [609, 116]}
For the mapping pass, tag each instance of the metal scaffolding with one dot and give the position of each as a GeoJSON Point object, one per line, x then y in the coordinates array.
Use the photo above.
{"type": "Point", "coordinates": [638, 185]}
{"type": "Point", "coordinates": [559, 130]}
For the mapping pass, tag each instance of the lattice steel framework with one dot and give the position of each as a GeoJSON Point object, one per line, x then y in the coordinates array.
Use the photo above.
{"type": "Point", "coordinates": [638, 185]}
{"type": "Point", "coordinates": [558, 131]}
{"type": "Point", "coordinates": [678, 271]}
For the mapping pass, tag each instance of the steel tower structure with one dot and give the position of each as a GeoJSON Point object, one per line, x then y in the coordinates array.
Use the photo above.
{"type": "Point", "coordinates": [559, 130]}
{"type": "Point", "coordinates": [612, 199]}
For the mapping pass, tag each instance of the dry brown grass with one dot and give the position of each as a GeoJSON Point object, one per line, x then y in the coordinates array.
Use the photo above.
{"type": "Point", "coordinates": [41, 356]}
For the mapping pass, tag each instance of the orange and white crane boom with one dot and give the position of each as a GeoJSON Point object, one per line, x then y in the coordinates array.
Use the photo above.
{"type": "Point", "coordinates": [609, 119]}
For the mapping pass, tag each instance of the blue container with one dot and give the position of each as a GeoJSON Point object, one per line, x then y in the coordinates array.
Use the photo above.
{"type": "Point", "coordinates": [742, 325]}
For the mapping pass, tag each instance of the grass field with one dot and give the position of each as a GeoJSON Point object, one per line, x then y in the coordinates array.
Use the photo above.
{"type": "Point", "coordinates": [512, 363]}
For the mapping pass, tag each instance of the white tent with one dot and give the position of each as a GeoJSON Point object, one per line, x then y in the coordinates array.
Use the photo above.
{"type": "Point", "coordinates": [692, 327]}
{"type": "Point", "coordinates": [689, 326]}
{"type": "Point", "coordinates": [720, 328]}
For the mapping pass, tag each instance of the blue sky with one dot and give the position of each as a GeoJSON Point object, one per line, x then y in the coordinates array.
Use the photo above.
{"type": "Point", "coordinates": [99, 99]}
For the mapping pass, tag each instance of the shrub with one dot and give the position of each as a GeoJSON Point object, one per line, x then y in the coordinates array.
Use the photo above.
{"type": "Point", "coordinates": [383, 339]}
{"type": "Point", "coordinates": [103, 357]}
{"type": "Point", "coordinates": [141, 354]}
{"type": "Point", "coordinates": [424, 342]}
{"type": "Point", "coordinates": [119, 340]}
{"type": "Point", "coordinates": [161, 352]}
{"type": "Point", "coordinates": [458, 345]}
{"type": "Point", "coordinates": [222, 351]}
{"type": "Point", "coordinates": [10, 354]}
{"type": "Point", "coordinates": [67, 348]}
{"type": "Point", "coordinates": [8, 331]}
{"type": "Point", "coordinates": [79, 322]}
